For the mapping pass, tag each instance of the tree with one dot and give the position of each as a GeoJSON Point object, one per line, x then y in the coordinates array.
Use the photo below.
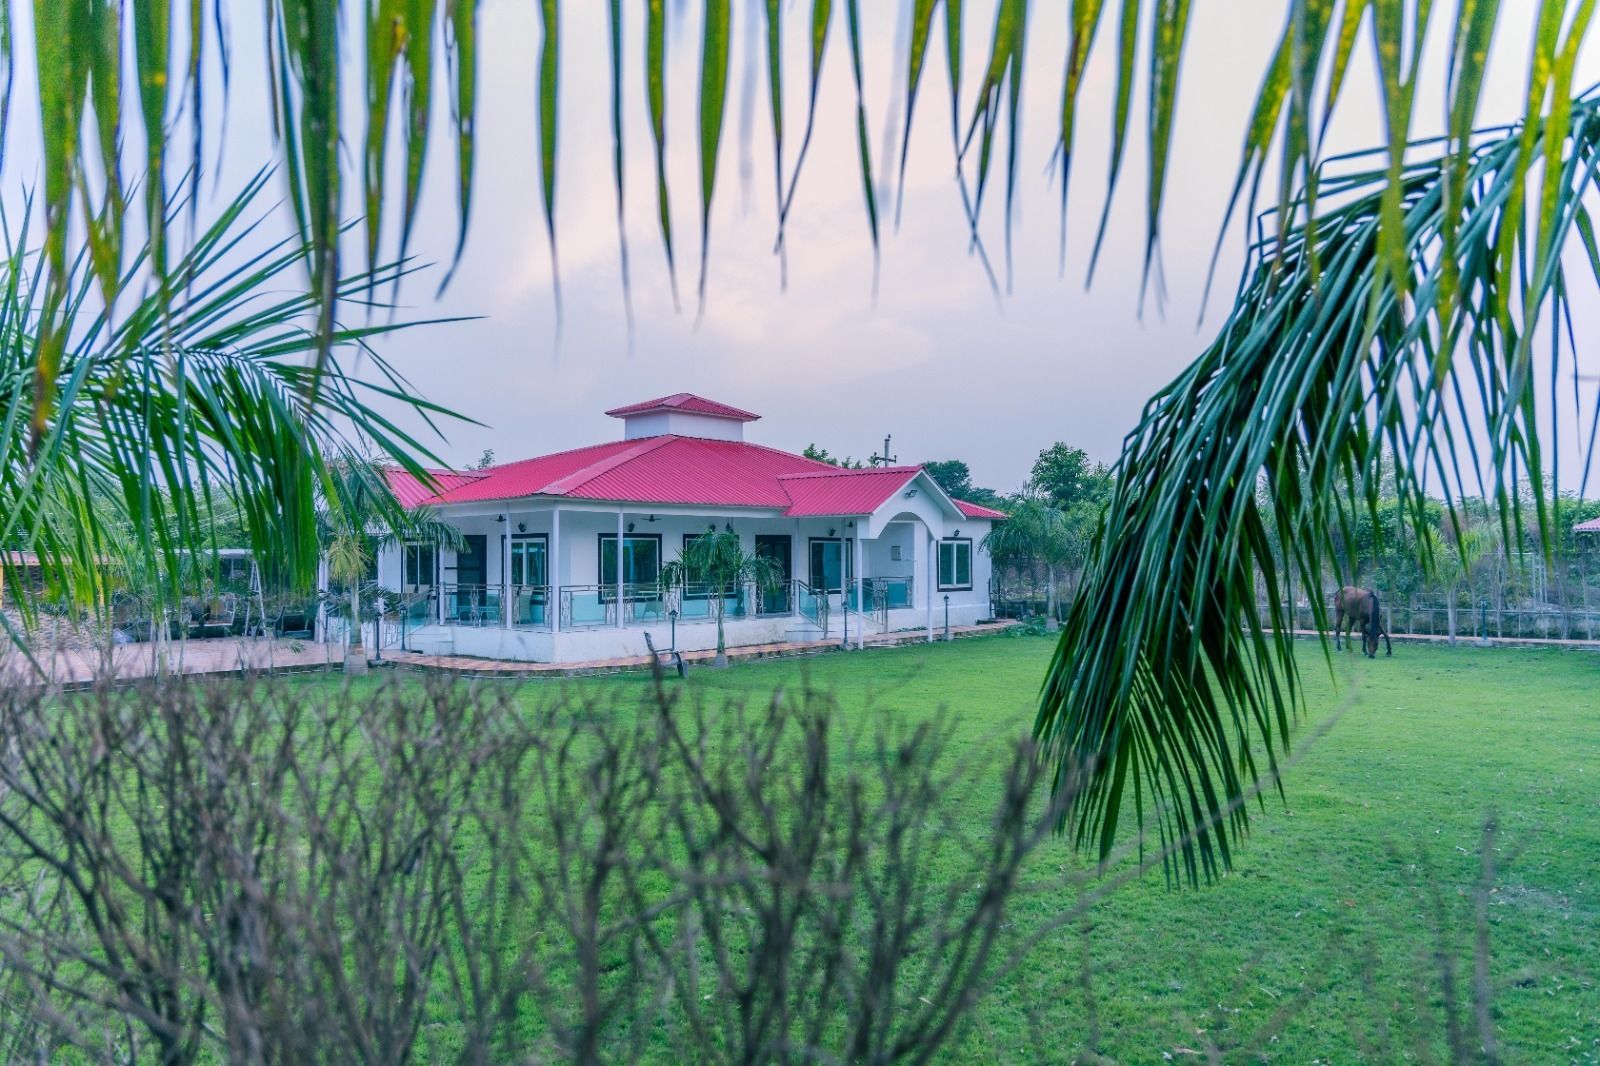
{"type": "Point", "coordinates": [1066, 477]}
{"type": "Point", "coordinates": [821, 455]}
{"type": "Point", "coordinates": [360, 515]}
{"type": "Point", "coordinates": [955, 478]}
{"type": "Point", "coordinates": [719, 563]}
{"type": "Point", "coordinates": [190, 409]}
{"type": "Point", "coordinates": [1035, 533]}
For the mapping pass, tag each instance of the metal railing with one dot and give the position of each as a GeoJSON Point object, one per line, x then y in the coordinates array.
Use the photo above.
{"type": "Point", "coordinates": [471, 605]}
{"type": "Point", "coordinates": [812, 606]}
{"type": "Point", "coordinates": [885, 594]}
{"type": "Point", "coordinates": [531, 606]}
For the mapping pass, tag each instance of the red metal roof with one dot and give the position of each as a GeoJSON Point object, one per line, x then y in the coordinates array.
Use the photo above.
{"type": "Point", "coordinates": [1591, 526]}
{"type": "Point", "coordinates": [978, 510]}
{"type": "Point", "coordinates": [410, 491]}
{"type": "Point", "coordinates": [834, 491]}
{"type": "Point", "coordinates": [688, 403]}
{"type": "Point", "coordinates": [670, 469]}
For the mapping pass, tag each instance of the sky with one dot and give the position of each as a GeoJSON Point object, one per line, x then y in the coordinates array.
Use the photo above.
{"type": "Point", "coordinates": [919, 347]}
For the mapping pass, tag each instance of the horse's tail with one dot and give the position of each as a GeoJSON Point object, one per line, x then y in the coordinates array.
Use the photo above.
{"type": "Point", "coordinates": [1373, 625]}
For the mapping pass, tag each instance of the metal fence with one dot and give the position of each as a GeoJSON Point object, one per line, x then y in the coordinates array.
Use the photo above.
{"type": "Point", "coordinates": [1469, 622]}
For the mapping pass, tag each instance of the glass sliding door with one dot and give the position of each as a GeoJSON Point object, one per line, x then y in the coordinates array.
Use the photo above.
{"type": "Point", "coordinates": [530, 579]}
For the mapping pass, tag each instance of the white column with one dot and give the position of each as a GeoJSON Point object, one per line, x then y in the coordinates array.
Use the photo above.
{"type": "Point", "coordinates": [438, 582]}
{"type": "Point", "coordinates": [621, 535]}
{"type": "Point", "coordinates": [321, 630]}
{"type": "Point", "coordinates": [861, 607]}
{"type": "Point", "coordinates": [553, 570]}
{"type": "Point", "coordinates": [933, 572]}
{"type": "Point", "coordinates": [505, 571]}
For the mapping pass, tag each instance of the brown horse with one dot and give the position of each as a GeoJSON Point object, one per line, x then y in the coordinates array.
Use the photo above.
{"type": "Point", "coordinates": [1354, 607]}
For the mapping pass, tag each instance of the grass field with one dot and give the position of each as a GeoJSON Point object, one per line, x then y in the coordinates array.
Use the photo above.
{"type": "Point", "coordinates": [1324, 942]}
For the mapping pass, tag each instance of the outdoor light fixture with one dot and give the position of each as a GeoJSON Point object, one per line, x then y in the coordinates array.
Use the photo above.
{"type": "Point", "coordinates": [957, 533]}
{"type": "Point", "coordinates": [712, 528]}
{"type": "Point", "coordinates": [911, 492]}
{"type": "Point", "coordinates": [652, 518]}
{"type": "Point", "coordinates": [499, 518]}
{"type": "Point", "coordinates": [830, 531]}
{"type": "Point", "coordinates": [728, 527]}
{"type": "Point", "coordinates": [630, 527]}
{"type": "Point", "coordinates": [522, 527]}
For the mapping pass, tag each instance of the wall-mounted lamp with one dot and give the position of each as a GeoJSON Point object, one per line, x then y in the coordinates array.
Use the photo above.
{"type": "Point", "coordinates": [630, 527]}
{"type": "Point", "coordinates": [499, 518]}
{"type": "Point", "coordinates": [727, 527]}
{"type": "Point", "coordinates": [712, 528]}
{"type": "Point", "coordinates": [850, 524]}
{"type": "Point", "coordinates": [652, 518]}
{"type": "Point", "coordinates": [522, 527]}
{"type": "Point", "coordinates": [830, 531]}
{"type": "Point", "coordinates": [957, 533]}
{"type": "Point", "coordinates": [911, 492]}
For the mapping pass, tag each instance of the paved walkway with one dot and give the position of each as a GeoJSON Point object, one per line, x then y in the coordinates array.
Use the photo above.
{"type": "Point", "coordinates": [467, 666]}
{"type": "Point", "coordinates": [130, 662]}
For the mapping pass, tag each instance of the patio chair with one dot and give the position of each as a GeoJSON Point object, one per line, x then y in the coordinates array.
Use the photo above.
{"type": "Point", "coordinates": [659, 659]}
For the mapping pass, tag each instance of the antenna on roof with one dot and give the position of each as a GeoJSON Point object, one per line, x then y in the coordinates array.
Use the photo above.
{"type": "Point", "coordinates": [885, 459]}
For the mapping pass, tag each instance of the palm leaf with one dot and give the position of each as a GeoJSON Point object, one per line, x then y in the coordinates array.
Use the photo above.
{"type": "Point", "coordinates": [188, 403]}
{"type": "Point", "coordinates": [1165, 677]}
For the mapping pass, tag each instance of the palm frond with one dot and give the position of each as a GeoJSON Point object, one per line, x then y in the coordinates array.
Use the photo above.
{"type": "Point", "coordinates": [1165, 679]}
{"type": "Point", "coordinates": [189, 401]}
{"type": "Point", "coordinates": [78, 63]}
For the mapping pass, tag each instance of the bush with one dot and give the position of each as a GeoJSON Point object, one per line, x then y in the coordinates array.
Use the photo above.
{"type": "Point", "coordinates": [278, 872]}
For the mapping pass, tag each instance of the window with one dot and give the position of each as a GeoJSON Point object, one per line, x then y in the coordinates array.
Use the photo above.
{"type": "Point", "coordinates": [830, 562]}
{"type": "Point", "coordinates": [641, 559]}
{"type": "Point", "coordinates": [419, 560]}
{"type": "Point", "coordinates": [955, 564]}
{"type": "Point", "coordinates": [529, 559]}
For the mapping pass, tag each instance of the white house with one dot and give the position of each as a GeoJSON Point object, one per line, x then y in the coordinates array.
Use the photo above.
{"type": "Point", "coordinates": [537, 578]}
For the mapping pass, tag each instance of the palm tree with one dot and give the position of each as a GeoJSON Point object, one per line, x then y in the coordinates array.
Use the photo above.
{"type": "Point", "coordinates": [719, 564]}
{"type": "Point", "coordinates": [360, 515]}
{"type": "Point", "coordinates": [179, 405]}
{"type": "Point", "coordinates": [1035, 533]}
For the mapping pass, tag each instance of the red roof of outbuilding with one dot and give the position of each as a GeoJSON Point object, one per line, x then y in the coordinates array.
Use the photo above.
{"type": "Point", "coordinates": [1591, 526]}
{"type": "Point", "coordinates": [835, 491]}
{"type": "Point", "coordinates": [978, 510]}
{"type": "Point", "coordinates": [688, 403]}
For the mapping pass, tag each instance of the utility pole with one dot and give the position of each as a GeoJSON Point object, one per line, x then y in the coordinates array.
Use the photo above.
{"type": "Point", "coordinates": [885, 459]}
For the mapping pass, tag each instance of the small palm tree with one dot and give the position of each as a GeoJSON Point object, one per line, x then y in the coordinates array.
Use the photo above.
{"type": "Point", "coordinates": [360, 515]}
{"type": "Point", "coordinates": [1035, 533]}
{"type": "Point", "coordinates": [719, 562]}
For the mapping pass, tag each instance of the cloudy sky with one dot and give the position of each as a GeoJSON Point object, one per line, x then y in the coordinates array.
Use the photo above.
{"type": "Point", "coordinates": [933, 357]}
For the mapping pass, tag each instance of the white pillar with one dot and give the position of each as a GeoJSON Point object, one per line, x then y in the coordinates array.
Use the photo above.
{"type": "Point", "coordinates": [438, 583]}
{"type": "Point", "coordinates": [321, 630]}
{"type": "Point", "coordinates": [506, 614]}
{"type": "Point", "coordinates": [621, 535]}
{"type": "Point", "coordinates": [552, 567]}
{"type": "Point", "coordinates": [861, 607]}
{"type": "Point", "coordinates": [933, 574]}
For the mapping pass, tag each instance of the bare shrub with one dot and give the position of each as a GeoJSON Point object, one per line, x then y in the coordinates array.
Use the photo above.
{"type": "Point", "coordinates": [272, 872]}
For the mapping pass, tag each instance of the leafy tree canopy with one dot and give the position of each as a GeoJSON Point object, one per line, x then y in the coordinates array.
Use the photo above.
{"type": "Point", "coordinates": [1066, 476]}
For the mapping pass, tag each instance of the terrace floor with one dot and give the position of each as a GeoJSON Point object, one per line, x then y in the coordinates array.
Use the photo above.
{"type": "Point", "coordinates": [231, 655]}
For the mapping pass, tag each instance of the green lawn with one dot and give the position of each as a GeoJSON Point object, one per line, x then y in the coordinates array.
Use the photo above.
{"type": "Point", "coordinates": [1325, 934]}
